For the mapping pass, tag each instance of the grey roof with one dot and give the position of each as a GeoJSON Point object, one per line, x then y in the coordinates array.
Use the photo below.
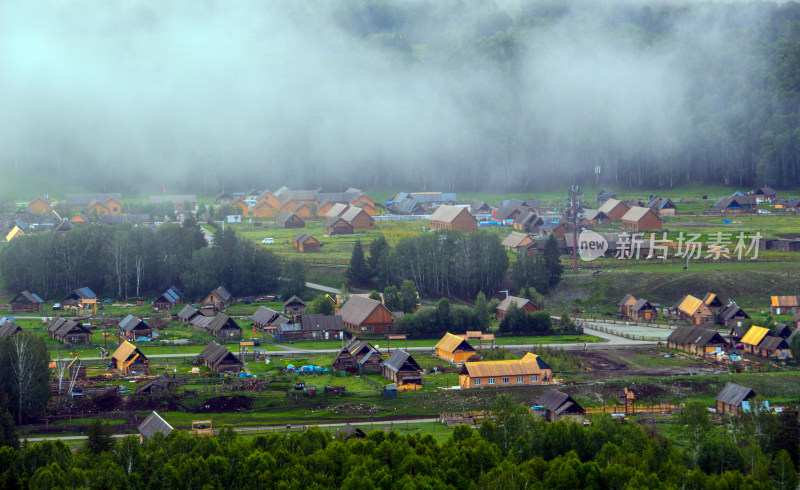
{"type": "Point", "coordinates": [222, 322]}
{"type": "Point", "coordinates": [85, 199]}
{"type": "Point", "coordinates": [336, 210]}
{"type": "Point", "coordinates": [736, 201]}
{"type": "Point", "coordinates": [188, 312]}
{"type": "Point", "coordinates": [558, 402]}
{"type": "Point", "coordinates": [152, 424]}
{"type": "Point", "coordinates": [345, 197]}
{"type": "Point", "coordinates": [337, 219]}
{"type": "Point", "coordinates": [660, 203]}
{"type": "Point", "coordinates": [82, 293]}
{"type": "Point", "coordinates": [447, 214]}
{"type": "Point", "coordinates": [29, 297]}
{"type": "Point", "coordinates": [8, 327]}
{"type": "Point", "coordinates": [265, 316]}
{"type": "Point", "coordinates": [505, 212]}
{"type": "Point", "coordinates": [636, 213]}
{"type": "Point", "coordinates": [514, 239]}
{"type": "Point", "coordinates": [641, 304]}
{"type": "Point", "coordinates": [312, 322]}
{"type": "Point", "coordinates": [529, 218]}
{"type": "Point", "coordinates": [131, 323]}
{"type": "Point", "coordinates": [771, 343]}
{"type": "Point", "coordinates": [171, 295]}
{"type": "Point", "coordinates": [55, 323]}
{"type": "Point", "coordinates": [506, 303]}
{"type": "Point", "coordinates": [286, 216]}
{"type": "Point", "coordinates": [300, 195]}
{"type": "Point", "coordinates": [68, 326]}
{"type": "Point", "coordinates": [733, 394]}
{"type": "Point", "coordinates": [625, 299]}
{"type": "Point", "coordinates": [352, 212]}
{"type": "Point", "coordinates": [304, 237]}
{"type": "Point", "coordinates": [293, 299]}
{"type": "Point", "coordinates": [214, 353]}
{"type": "Point", "coordinates": [782, 330]}
{"type": "Point", "coordinates": [407, 205]}
{"type": "Point", "coordinates": [400, 358]}
{"type": "Point", "coordinates": [767, 191]}
{"type": "Point", "coordinates": [433, 197]}
{"type": "Point", "coordinates": [731, 310]}
{"type": "Point", "coordinates": [698, 336]}
{"type": "Point", "coordinates": [593, 214]}
{"type": "Point", "coordinates": [357, 309]}
{"type": "Point", "coordinates": [610, 204]}
{"type": "Point", "coordinates": [290, 327]}
{"type": "Point", "coordinates": [223, 294]}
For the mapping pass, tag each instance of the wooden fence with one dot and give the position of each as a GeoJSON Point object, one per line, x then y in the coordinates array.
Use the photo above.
{"type": "Point", "coordinates": [631, 409]}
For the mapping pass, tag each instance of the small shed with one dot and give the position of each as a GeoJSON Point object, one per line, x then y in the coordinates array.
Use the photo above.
{"type": "Point", "coordinates": [26, 302]}
{"type": "Point", "coordinates": [288, 219]}
{"type": "Point", "coordinates": [349, 431]}
{"type": "Point", "coordinates": [453, 348]}
{"type": "Point", "coordinates": [305, 243]}
{"type": "Point", "coordinates": [188, 313]}
{"type": "Point", "coordinates": [560, 406]}
{"type": "Point", "coordinates": [156, 386]}
{"type": "Point", "coordinates": [8, 327]}
{"type": "Point", "coordinates": [345, 362]}
{"type": "Point", "coordinates": [129, 360]}
{"type": "Point", "coordinates": [133, 328]}
{"type": "Point", "coordinates": [729, 400]}
{"type": "Point", "coordinates": [774, 347]}
{"type": "Point", "coordinates": [152, 424]}
{"type": "Point", "coordinates": [294, 305]}
{"type": "Point", "coordinates": [167, 300]}
{"type": "Point", "coordinates": [219, 359]}
{"type": "Point", "coordinates": [524, 304]}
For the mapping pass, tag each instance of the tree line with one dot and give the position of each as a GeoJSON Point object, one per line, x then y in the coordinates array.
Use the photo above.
{"type": "Point", "coordinates": [125, 261]}
{"type": "Point", "coordinates": [515, 450]}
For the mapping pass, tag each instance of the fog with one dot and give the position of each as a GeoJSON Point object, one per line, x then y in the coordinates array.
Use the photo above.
{"type": "Point", "coordinates": [209, 95]}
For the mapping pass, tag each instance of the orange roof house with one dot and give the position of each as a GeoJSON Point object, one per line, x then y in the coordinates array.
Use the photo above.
{"type": "Point", "coordinates": [784, 305]}
{"type": "Point", "coordinates": [530, 370]}
{"type": "Point", "coordinates": [241, 205]}
{"type": "Point", "coordinates": [113, 205]}
{"type": "Point", "coordinates": [453, 348]}
{"type": "Point", "coordinates": [39, 206]}
{"type": "Point", "coordinates": [263, 209]}
{"type": "Point", "coordinates": [99, 208]}
{"type": "Point", "coordinates": [753, 338]}
{"type": "Point", "coordinates": [694, 311]}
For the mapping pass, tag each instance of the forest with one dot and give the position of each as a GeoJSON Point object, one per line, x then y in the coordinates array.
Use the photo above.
{"type": "Point", "coordinates": [515, 450]}
{"type": "Point", "coordinates": [463, 95]}
{"type": "Point", "coordinates": [125, 261]}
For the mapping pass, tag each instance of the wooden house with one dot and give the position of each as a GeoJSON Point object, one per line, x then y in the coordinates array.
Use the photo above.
{"type": "Point", "coordinates": [305, 243]}
{"type": "Point", "coordinates": [294, 305]}
{"type": "Point", "coordinates": [528, 371]}
{"type": "Point", "coordinates": [26, 302]}
{"type": "Point", "coordinates": [729, 400]}
{"type": "Point", "coordinates": [336, 210]}
{"type": "Point", "coordinates": [153, 424]}
{"type": "Point", "coordinates": [321, 327]}
{"type": "Point", "coordinates": [367, 357]}
{"type": "Point", "coordinates": [15, 232]}
{"type": "Point", "coordinates": [765, 194]}
{"type": "Point", "coordinates": [167, 300]}
{"type": "Point", "coordinates": [69, 331]}
{"type": "Point", "coordinates": [358, 219]}
{"type": "Point", "coordinates": [773, 346]}
{"type": "Point", "coordinates": [625, 305]}
{"type": "Point", "coordinates": [157, 386]}
{"type": "Point", "coordinates": [697, 340]}
{"type": "Point", "coordinates": [132, 328]}
{"type": "Point", "coordinates": [8, 327]}
{"type": "Point", "coordinates": [243, 206]}
{"type": "Point", "coordinates": [525, 305]}
{"type": "Point", "coordinates": [643, 310]}
{"type": "Point", "coordinates": [784, 305]}
{"type": "Point", "coordinates": [217, 300]}
{"type": "Point", "coordinates": [367, 208]}
{"type": "Point", "coordinates": [641, 219]}
{"type": "Point", "coordinates": [528, 222]}
{"type": "Point", "coordinates": [662, 206]}
{"type": "Point", "coordinates": [267, 319]}
{"type": "Point", "coordinates": [264, 209]}
{"type": "Point", "coordinates": [98, 208]}
{"type": "Point", "coordinates": [221, 326]}
{"type": "Point", "coordinates": [82, 298]}
{"type": "Point", "coordinates": [270, 199]}
{"type": "Point", "coordinates": [188, 313]}
{"type": "Point", "coordinates": [128, 360]}
{"type": "Point", "coordinates": [511, 212]}
{"type": "Point", "coordinates": [303, 210]}
{"type": "Point", "coordinates": [220, 360]}
{"type": "Point", "coordinates": [453, 218]}
{"type": "Point", "coordinates": [753, 338]}
{"type": "Point", "coordinates": [736, 205]}
{"type": "Point", "coordinates": [480, 207]}
{"type": "Point", "coordinates": [515, 241]}
{"type": "Point", "coordinates": [731, 315]}
{"type": "Point", "coordinates": [364, 315]}
{"type": "Point", "coordinates": [454, 349]}
{"type": "Point", "coordinates": [82, 201]}
{"type": "Point", "coordinates": [694, 311]}
{"type": "Point", "coordinates": [400, 368]}
{"type": "Point", "coordinates": [558, 230]}
{"type": "Point", "coordinates": [39, 206]}
{"type": "Point", "coordinates": [287, 219]}
{"type": "Point", "coordinates": [324, 207]}
{"type": "Point", "coordinates": [81, 219]}
{"type": "Point", "coordinates": [713, 302]}
{"type": "Point", "coordinates": [349, 431]}
{"type": "Point", "coordinates": [560, 406]}
{"type": "Point", "coordinates": [345, 362]}
{"type": "Point", "coordinates": [614, 209]}
{"type": "Point", "coordinates": [595, 217]}
{"type": "Point", "coordinates": [338, 226]}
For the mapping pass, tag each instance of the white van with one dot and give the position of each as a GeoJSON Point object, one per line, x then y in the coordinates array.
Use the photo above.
{"type": "Point", "coordinates": [268, 241]}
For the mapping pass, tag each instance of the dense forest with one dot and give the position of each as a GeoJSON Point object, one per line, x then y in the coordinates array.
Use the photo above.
{"type": "Point", "coordinates": [430, 94]}
{"type": "Point", "coordinates": [513, 451]}
{"type": "Point", "coordinates": [125, 261]}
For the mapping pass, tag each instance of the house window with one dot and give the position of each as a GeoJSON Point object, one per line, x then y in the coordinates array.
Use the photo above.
{"type": "Point", "coordinates": [491, 381]}
{"type": "Point", "coordinates": [520, 379]}
{"type": "Point", "coordinates": [476, 381]}
{"type": "Point", "coordinates": [534, 379]}
{"type": "Point", "coordinates": [505, 381]}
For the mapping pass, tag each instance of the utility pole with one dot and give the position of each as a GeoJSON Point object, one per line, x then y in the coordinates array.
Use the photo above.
{"type": "Point", "coordinates": [574, 208]}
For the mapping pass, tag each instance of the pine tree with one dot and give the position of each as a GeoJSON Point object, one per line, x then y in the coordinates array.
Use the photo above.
{"type": "Point", "coordinates": [8, 433]}
{"type": "Point", "coordinates": [552, 261]}
{"type": "Point", "coordinates": [358, 270]}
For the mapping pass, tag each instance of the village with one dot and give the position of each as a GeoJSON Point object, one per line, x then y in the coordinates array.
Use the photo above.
{"type": "Point", "coordinates": [242, 361]}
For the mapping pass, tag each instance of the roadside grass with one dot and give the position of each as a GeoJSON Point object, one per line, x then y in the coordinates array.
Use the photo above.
{"type": "Point", "coordinates": [499, 341]}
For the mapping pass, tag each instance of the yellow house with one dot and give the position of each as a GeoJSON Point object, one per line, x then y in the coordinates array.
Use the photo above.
{"type": "Point", "coordinates": [39, 206]}
{"type": "Point", "coordinates": [271, 199]}
{"type": "Point", "coordinates": [694, 311]}
{"type": "Point", "coordinates": [114, 206]}
{"type": "Point", "coordinates": [453, 348]}
{"type": "Point", "coordinates": [14, 233]}
{"type": "Point", "coordinates": [752, 338]}
{"type": "Point", "coordinates": [529, 371]}
{"type": "Point", "coordinates": [263, 209]}
{"type": "Point", "coordinates": [98, 207]}
{"type": "Point", "coordinates": [241, 205]}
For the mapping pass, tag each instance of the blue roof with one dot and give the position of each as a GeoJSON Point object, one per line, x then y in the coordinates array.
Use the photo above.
{"type": "Point", "coordinates": [87, 293]}
{"type": "Point", "coordinates": [172, 294]}
{"type": "Point", "coordinates": [36, 296]}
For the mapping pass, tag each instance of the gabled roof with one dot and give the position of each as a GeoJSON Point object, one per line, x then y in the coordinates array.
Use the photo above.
{"type": "Point", "coordinates": [447, 214]}
{"type": "Point", "coordinates": [755, 335]}
{"type": "Point", "coordinates": [771, 343]}
{"type": "Point", "coordinates": [531, 363]}
{"type": "Point", "coordinates": [221, 322]}
{"type": "Point", "coordinates": [358, 309]}
{"type": "Point", "coordinates": [711, 299]}
{"type": "Point", "coordinates": [785, 301]}
{"type": "Point", "coordinates": [343, 197]}
{"type": "Point", "coordinates": [286, 216]}
{"type": "Point", "coordinates": [505, 212]}
{"type": "Point", "coordinates": [558, 402]}
{"type": "Point", "coordinates": [223, 294]}
{"type": "Point", "coordinates": [641, 304]}
{"type": "Point", "coordinates": [660, 203]}
{"type": "Point", "coordinates": [506, 303]}
{"type": "Point", "coordinates": [28, 297]}
{"type": "Point", "coordinates": [353, 212]}
{"type": "Point", "coordinates": [337, 219]}
{"type": "Point", "coordinates": [85, 199]}
{"type": "Point", "coordinates": [174, 198]}
{"type": "Point", "coordinates": [407, 205]}
{"type": "Point", "coordinates": [8, 327]}
{"type": "Point", "coordinates": [732, 310]}
{"type": "Point", "coordinates": [188, 312]}
{"type": "Point", "coordinates": [514, 239]}
{"type": "Point", "coordinates": [125, 351]}
{"type": "Point", "coordinates": [609, 205]}
{"type": "Point", "coordinates": [690, 305]}
{"type": "Point", "coordinates": [131, 323]}
{"type": "Point", "coordinates": [636, 213]}
{"type": "Point", "coordinates": [266, 316]}
{"type": "Point", "coordinates": [336, 210]}
{"type": "Point", "coordinates": [68, 326]}
{"type": "Point", "coordinates": [171, 295]}
{"type": "Point", "coordinates": [318, 323]}
{"type": "Point", "coordinates": [625, 300]}
{"type": "Point", "coordinates": [304, 237]}
{"type": "Point", "coordinates": [698, 336]}
{"type": "Point", "coordinates": [399, 359]}
{"type": "Point", "coordinates": [82, 293]}
{"type": "Point", "coordinates": [733, 394]}
{"type": "Point", "coordinates": [293, 300]}
{"type": "Point", "coordinates": [152, 424]}
{"type": "Point", "coordinates": [214, 353]}
{"type": "Point", "coordinates": [450, 343]}
{"type": "Point", "coordinates": [766, 191]}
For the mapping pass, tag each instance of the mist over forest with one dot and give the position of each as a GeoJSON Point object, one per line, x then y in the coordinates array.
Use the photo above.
{"type": "Point", "coordinates": [418, 94]}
